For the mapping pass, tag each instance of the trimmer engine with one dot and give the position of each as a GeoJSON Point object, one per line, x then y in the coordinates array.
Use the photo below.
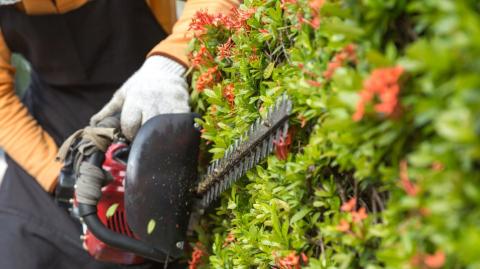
{"type": "Point", "coordinates": [134, 201]}
{"type": "Point", "coordinates": [111, 210]}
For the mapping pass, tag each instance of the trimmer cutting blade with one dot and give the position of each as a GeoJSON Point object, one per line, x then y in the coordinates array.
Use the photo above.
{"type": "Point", "coordinates": [247, 151]}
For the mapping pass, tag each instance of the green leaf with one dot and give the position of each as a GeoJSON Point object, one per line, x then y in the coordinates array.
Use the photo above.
{"type": "Point", "coordinates": [299, 215]}
{"type": "Point", "coordinates": [111, 210]}
{"type": "Point", "coordinates": [151, 226]}
{"type": "Point", "coordinates": [268, 71]}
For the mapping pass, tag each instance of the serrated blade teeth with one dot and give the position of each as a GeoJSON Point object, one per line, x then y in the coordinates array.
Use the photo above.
{"type": "Point", "coordinates": [247, 150]}
{"type": "Point", "coordinates": [277, 135]}
{"type": "Point", "coordinates": [271, 140]}
{"type": "Point", "coordinates": [210, 168]}
{"type": "Point", "coordinates": [228, 152]}
{"type": "Point", "coordinates": [285, 130]}
{"type": "Point", "coordinates": [230, 178]}
{"type": "Point", "coordinates": [245, 165]}
{"type": "Point", "coordinates": [257, 123]}
{"type": "Point", "coordinates": [237, 142]}
{"type": "Point", "coordinates": [284, 97]}
{"type": "Point", "coordinates": [264, 148]}
{"type": "Point", "coordinates": [278, 104]}
{"type": "Point", "coordinates": [288, 104]}
{"type": "Point", "coordinates": [218, 189]}
{"type": "Point", "coordinates": [251, 160]}
{"type": "Point", "coordinates": [236, 173]}
{"type": "Point", "coordinates": [215, 163]}
{"type": "Point", "coordinates": [223, 186]}
{"type": "Point", "coordinates": [207, 197]}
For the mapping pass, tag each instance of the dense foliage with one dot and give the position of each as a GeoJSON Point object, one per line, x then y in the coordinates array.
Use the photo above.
{"type": "Point", "coordinates": [384, 149]}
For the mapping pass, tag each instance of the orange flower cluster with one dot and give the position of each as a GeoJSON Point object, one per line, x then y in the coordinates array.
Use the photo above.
{"type": "Point", "coordinates": [383, 82]}
{"type": "Point", "coordinates": [291, 261]}
{"type": "Point", "coordinates": [303, 120]}
{"type": "Point", "coordinates": [346, 54]}
{"type": "Point", "coordinates": [207, 78]}
{"type": "Point", "coordinates": [284, 3]}
{"type": "Point", "coordinates": [197, 256]}
{"type": "Point", "coordinates": [306, 71]}
{"type": "Point", "coordinates": [315, 5]}
{"type": "Point", "coordinates": [410, 188]}
{"type": "Point", "coordinates": [237, 19]}
{"type": "Point", "coordinates": [357, 215]}
{"type": "Point", "coordinates": [253, 56]}
{"type": "Point", "coordinates": [425, 261]}
{"type": "Point", "coordinates": [264, 31]}
{"type": "Point", "coordinates": [224, 51]}
{"type": "Point", "coordinates": [313, 83]}
{"type": "Point", "coordinates": [229, 94]}
{"type": "Point", "coordinates": [230, 239]}
{"type": "Point", "coordinates": [437, 166]}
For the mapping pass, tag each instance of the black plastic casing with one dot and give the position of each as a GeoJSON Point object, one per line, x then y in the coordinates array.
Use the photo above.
{"type": "Point", "coordinates": [161, 173]}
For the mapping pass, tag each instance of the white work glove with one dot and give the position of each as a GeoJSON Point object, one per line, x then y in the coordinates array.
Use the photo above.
{"type": "Point", "coordinates": [158, 87]}
{"type": "Point", "coordinates": [8, 2]}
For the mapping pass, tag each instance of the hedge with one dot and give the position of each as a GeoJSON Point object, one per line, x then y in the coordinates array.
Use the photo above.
{"type": "Point", "coordinates": [381, 165]}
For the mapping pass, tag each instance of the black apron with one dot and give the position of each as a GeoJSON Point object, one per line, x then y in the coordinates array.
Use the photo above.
{"type": "Point", "coordinates": [78, 60]}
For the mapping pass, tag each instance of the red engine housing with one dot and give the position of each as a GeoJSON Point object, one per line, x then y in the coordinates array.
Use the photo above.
{"type": "Point", "coordinates": [112, 194]}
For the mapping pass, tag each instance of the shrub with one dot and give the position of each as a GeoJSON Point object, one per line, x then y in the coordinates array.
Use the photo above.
{"type": "Point", "coordinates": [383, 164]}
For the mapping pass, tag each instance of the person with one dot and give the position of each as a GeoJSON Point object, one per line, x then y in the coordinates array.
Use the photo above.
{"type": "Point", "coordinates": [81, 52]}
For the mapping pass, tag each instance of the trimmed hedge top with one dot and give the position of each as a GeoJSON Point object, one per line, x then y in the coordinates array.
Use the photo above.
{"type": "Point", "coordinates": [381, 166]}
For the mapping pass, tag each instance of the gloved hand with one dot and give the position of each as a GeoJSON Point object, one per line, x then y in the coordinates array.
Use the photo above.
{"type": "Point", "coordinates": [156, 88]}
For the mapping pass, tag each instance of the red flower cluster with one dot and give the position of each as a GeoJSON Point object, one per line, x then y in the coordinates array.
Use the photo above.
{"type": "Point", "coordinates": [410, 188]}
{"type": "Point", "coordinates": [200, 57]}
{"type": "Point", "coordinates": [229, 94]}
{"type": "Point", "coordinates": [237, 19]}
{"type": "Point", "coordinates": [197, 256]}
{"type": "Point", "coordinates": [224, 51]}
{"type": "Point", "coordinates": [357, 215]}
{"type": "Point", "coordinates": [201, 20]}
{"type": "Point", "coordinates": [207, 78]}
{"type": "Point", "coordinates": [291, 261]}
{"type": "Point", "coordinates": [346, 54]}
{"type": "Point", "coordinates": [282, 147]}
{"type": "Point", "coordinates": [383, 82]}
{"type": "Point", "coordinates": [425, 261]}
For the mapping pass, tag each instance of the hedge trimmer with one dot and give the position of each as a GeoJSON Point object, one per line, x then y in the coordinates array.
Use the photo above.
{"type": "Point", "coordinates": [137, 200]}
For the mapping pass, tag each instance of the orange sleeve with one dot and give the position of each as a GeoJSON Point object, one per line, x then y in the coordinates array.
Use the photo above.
{"type": "Point", "coordinates": [175, 45]}
{"type": "Point", "coordinates": [165, 13]}
{"type": "Point", "coordinates": [20, 135]}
